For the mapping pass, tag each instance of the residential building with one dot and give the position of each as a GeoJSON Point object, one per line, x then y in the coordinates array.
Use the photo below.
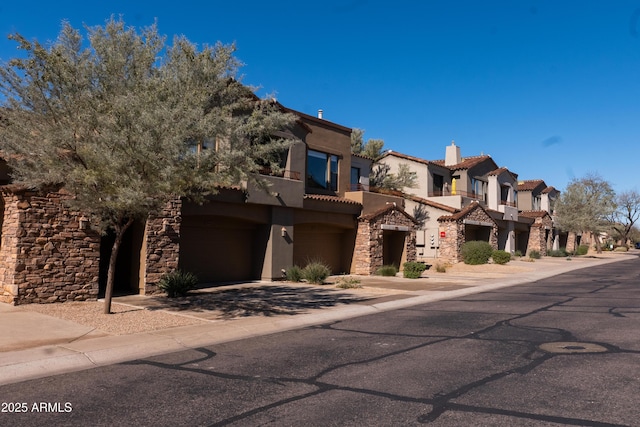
{"type": "Point", "coordinates": [319, 208]}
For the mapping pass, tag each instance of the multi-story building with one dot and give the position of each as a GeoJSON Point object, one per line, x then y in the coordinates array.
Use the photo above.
{"type": "Point", "coordinates": [465, 198]}
{"type": "Point", "coordinates": [318, 208]}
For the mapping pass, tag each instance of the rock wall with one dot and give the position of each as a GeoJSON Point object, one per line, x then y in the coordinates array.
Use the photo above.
{"type": "Point", "coordinates": [47, 253]}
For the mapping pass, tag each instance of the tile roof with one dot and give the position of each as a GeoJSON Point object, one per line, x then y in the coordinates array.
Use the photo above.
{"type": "Point", "coordinates": [461, 214]}
{"type": "Point", "coordinates": [432, 204]}
{"type": "Point", "coordinates": [502, 170]}
{"type": "Point", "coordinates": [389, 207]}
{"type": "Point", "coordinates": [406, 157]}
{"type": "Point", "coordinates": [530, 185]}
{"type": "Point", "coordinates": [533, 214]}
{"type": "Point", "coordinates": [334, 199]}
{"type": "Point", "coordinates": [550, 189]}
{"type": "Point", "coordinates": [466, 163]}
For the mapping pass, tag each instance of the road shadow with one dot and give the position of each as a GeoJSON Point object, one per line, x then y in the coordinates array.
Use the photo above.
{"type": "Point", "coordinates": [255, 301]}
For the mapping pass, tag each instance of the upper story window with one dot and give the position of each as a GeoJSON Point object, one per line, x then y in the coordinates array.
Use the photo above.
{"type": "Point", "coordinates": [322, 170]}
{"type": "Point", "coordinates": [537, 203]}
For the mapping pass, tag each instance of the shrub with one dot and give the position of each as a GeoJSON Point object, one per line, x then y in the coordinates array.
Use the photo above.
{"type": "Point", "coordinates": [348, 283]}
{"type": "Point", "coordinates": [621, 249]}
{"type": "Point", "coordinates": [413, 270]}
{"type": "Point", "coordinates": [562, 252]}
{"type": "Point", "coordinates": [476, 252]}
{"type": "Point", "coordinates": [316, 272]}
{"type": "Point", "coordinates": [517, 253]}
{"type": "Point", "coordinates": [582, 250]}
{"type": "Point", "coordinates": [533, 254]}
{"type": "Point", "coordinates": [178, 283]}
{"type": "Point", "coordinates": [441, 268]}
{"type": "Point", "coordinates": [293, 274]}
{"type": "Point", "coordinates": [387, 270]}
{"type": "Point", "coordinates": [501, 257]}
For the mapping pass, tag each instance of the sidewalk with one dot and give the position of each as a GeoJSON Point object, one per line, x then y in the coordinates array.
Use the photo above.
{"type": "Point", "coordinates": [35, 345]}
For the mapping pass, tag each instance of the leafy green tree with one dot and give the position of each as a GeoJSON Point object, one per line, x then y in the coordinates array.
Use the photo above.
{"type": "Point", "coordinates": [119, 122]}
{"type": "Point", "coordinates": [405, 178]}
{"type": "Point", "coordinates": [586, 205]}
{"type": "Point", "coordinates": [372, 148]}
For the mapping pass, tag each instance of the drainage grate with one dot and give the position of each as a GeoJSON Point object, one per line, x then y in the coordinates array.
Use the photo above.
{"type": "Point", "coordinates": [572, 347]}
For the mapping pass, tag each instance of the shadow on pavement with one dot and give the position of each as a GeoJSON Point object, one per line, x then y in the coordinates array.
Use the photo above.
{"type": "Point", "coordinates": [252, 301]}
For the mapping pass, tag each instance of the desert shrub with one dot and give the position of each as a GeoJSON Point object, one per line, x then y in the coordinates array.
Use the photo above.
{"type": "Point", "coordinates": [413, 270]}
{"type": "Point", "coordinates": [293, 274]}
{"type": "Point", "coordinates": [621, 249]}
{"type": "Point", "coordinates": [178, 283]}
{"type": "Point", "coordinates": [517, 253]}
{"type": "Point", "coordinates": [533, 254]}
{"type": "Point", "coordinates": [500, 257]}
{"type": "Point", "coordinates": [561, 253]}
{"type": "Point", "coordinates": [387, 270]}
{"type": "Point", "coordinates": [441, 268]}
{"type": "Point", "coordinates": [476, 252]}
{"type": "Point", "coordinates": [348, 283]}
{"type": "Point", "coordinates": [316, 272]}
{"type": "Point", "coordinates": [582, 250]}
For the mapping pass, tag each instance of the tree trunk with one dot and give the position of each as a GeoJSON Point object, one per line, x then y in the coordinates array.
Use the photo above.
{"type": "Point", "coordinates": [108, 295]}
{"type": "Point", "coordinates": [596, 237]}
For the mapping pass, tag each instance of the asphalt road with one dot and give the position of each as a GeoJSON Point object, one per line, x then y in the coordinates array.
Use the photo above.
{"type": "Point", "coordinates": [561, 351]}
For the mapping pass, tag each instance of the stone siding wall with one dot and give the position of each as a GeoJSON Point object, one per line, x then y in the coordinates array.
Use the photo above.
{"type": "Point", "coordinates": [454, 229]}
{"type": "Point", "coordinates": [161, 245]}
{"type": "Point", "coordinates": [45, 255]}
{"type": "Point", "coordinates": [369, 248]}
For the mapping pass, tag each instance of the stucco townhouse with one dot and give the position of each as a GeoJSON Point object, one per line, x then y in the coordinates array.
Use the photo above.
{"type": "Point", "coordinates": [466, 198]}
{"type": "Point", "coordinates": [319, 208]}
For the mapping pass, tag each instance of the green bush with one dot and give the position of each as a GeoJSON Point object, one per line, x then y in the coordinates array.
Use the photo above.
{"type": "Point", "coordinates": [178, 283]}
{"type": "Point", "coordinates": [316, 272]}
{"type": "Point", "coordinates": [387, 270]}
{"type": "Point", "coordinates": [560, 253]}
{"type": "Point", "coordinates": [582, 250]}
{"type": "Point", "coordinates": [413, 270]}
{"type": "Point", "coordinates": [476, 252]}
{"type": "Point", "coordinates": [293, 274]}
{"type": "Point", "coordinates": [533, 254]}
{"type": "Point", "coordinates": [517, 253]}
{"type": "Point", "coordinates": [501, 257]}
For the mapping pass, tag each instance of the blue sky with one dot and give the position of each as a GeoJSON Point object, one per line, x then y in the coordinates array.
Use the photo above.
{"type": "Point", "coordinates": [550, 89]}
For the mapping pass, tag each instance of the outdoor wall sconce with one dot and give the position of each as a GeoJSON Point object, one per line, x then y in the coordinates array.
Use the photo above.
{"type": "Point", "coordinates": [83, 223]}
{"type": "Point", "coordinates": [283, 232]}
{"type": "Point", "coordinates": [165, 225]}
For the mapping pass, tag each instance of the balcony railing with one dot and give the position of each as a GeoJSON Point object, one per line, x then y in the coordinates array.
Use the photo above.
{"type": "Point", "coordinates": [294, 175]}
{"type": "Point", "coordinates": [471, 195]}
{"type": "Point", "coordinates": [359, 187]}
{"type": "Point", "coordinates": [506, 203]}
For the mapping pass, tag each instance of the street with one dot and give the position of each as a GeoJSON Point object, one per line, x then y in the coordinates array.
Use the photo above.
{"type": "Point", "coordinates": [560, 351]}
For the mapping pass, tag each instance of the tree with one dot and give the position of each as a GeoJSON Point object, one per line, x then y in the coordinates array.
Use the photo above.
{"type": "Point", "coordinates": [403, 179]}
{"type": "Point", "coordinates": [119, 121]}
{"type": "Point", "coordinates": [372, 148]}
{"type": "Point", "coordinates": [586, 205]}
{"type": "Point", "coordinates": [626, 214]}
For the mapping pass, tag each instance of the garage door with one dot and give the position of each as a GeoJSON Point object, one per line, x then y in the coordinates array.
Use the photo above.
{"type": "Point", "coordinates": [318, 242]}
{"type": "Point", "coordinates": [218, 249]}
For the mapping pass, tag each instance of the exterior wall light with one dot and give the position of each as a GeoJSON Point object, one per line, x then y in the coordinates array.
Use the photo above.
{"type": "Point", "coordinates": [83, 223]}
{"type": "Point", "coordinates": [283, 232]}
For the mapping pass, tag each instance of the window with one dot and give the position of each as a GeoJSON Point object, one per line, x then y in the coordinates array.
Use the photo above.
{"type": "Point", "coordinates": [355, 178]}
{"type": "Point", "coordinates": [322, 170]}
{"type": "Point", "coordinates": [438, 183]}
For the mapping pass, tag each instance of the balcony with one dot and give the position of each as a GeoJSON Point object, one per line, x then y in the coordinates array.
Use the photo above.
{"type": "Point", "coordinates": [359, 187]}
{"type": "Point", "coordinates": [287, 174]}
{"type": "Point", "coordinates": [470, 195]}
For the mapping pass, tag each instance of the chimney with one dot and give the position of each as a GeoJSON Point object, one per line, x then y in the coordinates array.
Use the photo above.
{"type": "Point", "coordinates": [319, 114]}
{"type": "Point", "coordinates": [452, 155]}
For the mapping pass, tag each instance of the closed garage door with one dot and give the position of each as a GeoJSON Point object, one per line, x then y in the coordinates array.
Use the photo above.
{"type": "Point", "coordinates": [318, 242]}
{"type": "Point", "coordinates": [218, 249]}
